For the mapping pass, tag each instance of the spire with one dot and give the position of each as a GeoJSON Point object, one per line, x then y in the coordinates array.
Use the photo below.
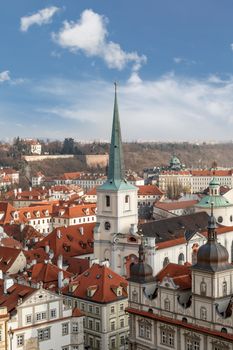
{"type": "Point", "coordinates": [116, 170]}
{"type": "Point", "coordinates": [212, 225]}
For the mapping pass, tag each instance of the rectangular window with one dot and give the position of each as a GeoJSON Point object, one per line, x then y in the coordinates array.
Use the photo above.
{"type": "Point", "coordinates": [122, 340]}
{"type": "Point", "coordinates": [65, 328]}
{"type": "Point", "coordinates": [82, 307]}
{"type": "Point", "coordinates": [97, 310]}
{"type": "Point", "coordinates": [43, 334]}
{"type": "Point", "coordinates": [90, 324]}
{"type": "Point", "coordinates": [97, 326]}
{"type": "Point", "coordinates": [112, 309]}
{"type": "Point", "coordinates": [112, 325]}
{"type": "Point", "coordinates": [53, 313]}
{"type": "Point", "coordinates": [121, 307]}
{"type": "Point", "coordinates": [20, 340]}
{"type": "Point", "coordinates": [40, 316]}
{"type": "Point", "coordinates": [75, 327]}
{"type": "Point", "coordinates": [90, 308]}
{"type": "Point", "coordinates": [107, 201]}
{"type": "Point", "coordinates": [113, 343]}
{"type": "Point", "coordinates": [122, 322]}
{"type": "Point", "coordinates": [28, 318]}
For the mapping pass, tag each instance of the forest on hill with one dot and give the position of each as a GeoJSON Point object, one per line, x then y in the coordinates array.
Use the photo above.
{"type": "Point", "coordinates": [137, 156]}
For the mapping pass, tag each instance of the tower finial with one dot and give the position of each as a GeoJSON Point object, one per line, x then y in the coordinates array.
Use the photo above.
{"type": "Point", "coordinates": [212, 225]}
{"type": "Point", "coordinates": [115, 84]}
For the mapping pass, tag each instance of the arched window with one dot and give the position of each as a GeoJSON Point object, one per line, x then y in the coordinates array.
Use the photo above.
{"type": "Point", "coordinates": [166, 261]}
{"type": "Point", "coordinates": [224, 330]}
{"type": "Point", "coordinates": [107, 201]}
{"type": "Point", "coordinates": [127, 202]}
{"type": "Point", "coordinates": [224, 288]}
{"type": "Point", "coordinates": [181, 259]}
{"type": "Point", "coordinates": [203, 313]}
{"type": "Point", "coordinates": [203, 288]}
{"type": "Point", "coordinates": [220, 219]}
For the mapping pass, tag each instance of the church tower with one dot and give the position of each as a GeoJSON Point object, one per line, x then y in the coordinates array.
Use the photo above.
{"type": "Point", "coordinates": [117, 213]}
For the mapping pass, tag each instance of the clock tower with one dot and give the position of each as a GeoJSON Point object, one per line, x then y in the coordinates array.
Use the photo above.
{"type": "Point", "coordinates": [117, 213]}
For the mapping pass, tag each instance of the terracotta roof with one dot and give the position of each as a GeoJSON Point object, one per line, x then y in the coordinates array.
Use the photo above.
{"type": "Point", "coordinates": [103, 283]}
{"type": "Point", "coordinates": [91, 192]}
{"type": "Point", "coordinates": [37, 254]}
{"type": "Point", "coordinates": [14, 293]}
{"type": "Point", "coordinates": [8, 257]}
{"type": "Point", "coordinates": [48, 274]}
{"type": "Point", "coordinates": [77, 313]}
{"type": "Point", "coordinates": [152, 190]}
{"type": "Point", "coordinates": [207, 172]}
{"type": "Point", "coordinates": [175, 205]}
{"type": "Point", "coordinates": [181, 274]}
{"type": "Point", "coordinates": [10, 243]}
{"type": "Point", "coordinates": [26, 233]}
{"type": "Point", "coordinates": [70, 241]}
{"type": "Point", "coordinates": [76, 265]}
{"type": "Point", "coordinates": [75, 211]}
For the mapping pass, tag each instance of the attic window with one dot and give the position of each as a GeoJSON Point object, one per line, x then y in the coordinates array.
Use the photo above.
{"type": "Point", "coordinates": [98, 276]}
{"type": "Point", "coordinates": [110, 276]}
{"type": "Point", "coordinates": [70, 238]}
{"type": "Point", "coordinates": [86, 274]}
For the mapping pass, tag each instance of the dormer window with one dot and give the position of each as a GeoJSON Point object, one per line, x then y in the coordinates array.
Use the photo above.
{"type": "Point", "coordinates": [107, 201]}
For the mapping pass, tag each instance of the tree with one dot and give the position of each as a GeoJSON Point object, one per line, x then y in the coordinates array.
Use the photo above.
{"type": "Point", "coordinates": [68, 146]}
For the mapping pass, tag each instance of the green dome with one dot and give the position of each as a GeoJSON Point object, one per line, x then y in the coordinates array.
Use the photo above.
{"type": "Point", "coordinates": [214, 183]}
{"type": "Point", "coordinates": [175, 161]}
{"type": "Point", "coordinates": [218, 201]}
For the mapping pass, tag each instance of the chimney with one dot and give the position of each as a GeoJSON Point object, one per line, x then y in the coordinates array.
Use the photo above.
{"type": "Point", "coordinates": [8, 282]}
{"type": "Point", "coordinates": [60, 279]}
{"type": "Point", "coordinates": [34, 262]}
{"type": "Point", "coordinates": [60, 262]}
{"type": "Point", "coordinates": [81, 231]}
{"type": "Point", "coordinates": [46, 248]}
{"type": "Point", "coordinates": [15, 192]}
{"type": "Point", "coordinates": [20, 190]}
{"type": "Point", "coordinates": [59, 234]}
{"type": "Point", "coordinates": [30, 189]}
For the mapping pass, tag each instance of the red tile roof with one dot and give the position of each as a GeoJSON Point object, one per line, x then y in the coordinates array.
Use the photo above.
{"type": "Point", "coordinates": [152, 190]}
{"type": "Point", "coordinates": [103, 282]}
{"type": "Point", "coordinates": [175, 205]}
{"type": "Point", "coordinates": [70, 241]}
{"type": "Point", "coordinates": [181, 275]}
{"type": "Point", "coordinates": [14, 293]}
{"type": "Point", "coordinates": [8, 257]}
{"type": "Point", "coordinates": [48, 274]}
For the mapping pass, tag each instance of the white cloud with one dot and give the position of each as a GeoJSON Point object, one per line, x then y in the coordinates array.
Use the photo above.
{"type": "Point", "coordinates": [90, 36]}
{"type": "Point", "coordinates": [4, 76]}
{"type": "Point", "coordinates": [43, 16]}
{"type": "Point", "coordinates": [169, 108]}
{"type": "Point", "coordinates": [181, 60]}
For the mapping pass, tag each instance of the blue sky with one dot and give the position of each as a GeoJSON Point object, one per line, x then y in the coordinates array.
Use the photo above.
{"type": "Point", "coordinates": [172, 59]}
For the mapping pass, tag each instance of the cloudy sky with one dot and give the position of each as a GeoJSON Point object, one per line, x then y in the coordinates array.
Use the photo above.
{"type": "Point", "coordinates": [173, 61]}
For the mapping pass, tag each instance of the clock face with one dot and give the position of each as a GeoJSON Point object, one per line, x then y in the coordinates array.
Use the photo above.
{"type": "Point", "coordinates": [107, 225]}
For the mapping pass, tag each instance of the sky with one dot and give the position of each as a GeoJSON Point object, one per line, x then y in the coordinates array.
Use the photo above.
{"type": "Point", "coordinates": [172, 60]}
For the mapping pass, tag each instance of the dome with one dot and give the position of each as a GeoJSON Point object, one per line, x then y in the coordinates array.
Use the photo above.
{"type": "Point", "coordinates": [212, 256]}
{"type": "Point", "coordinates": [141, 272]}
{"type": "Point", "coordinates": [218, 202]}
{"type": "Point", "coordinates": [214, 183]}
{"type": "Point", "coordinates": [175, 161]}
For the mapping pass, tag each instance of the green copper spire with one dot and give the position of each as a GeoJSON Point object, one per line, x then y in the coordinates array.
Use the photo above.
{"type": "Point", "coordinates": [116, 170]}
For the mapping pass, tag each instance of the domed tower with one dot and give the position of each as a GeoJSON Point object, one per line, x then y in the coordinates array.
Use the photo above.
{"type": "Point", "coordinates": [211, 275]}
{"type": "Point", "coordinates": [142, 284]}
{"type": "Point", "coordinates": [223, 209]}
